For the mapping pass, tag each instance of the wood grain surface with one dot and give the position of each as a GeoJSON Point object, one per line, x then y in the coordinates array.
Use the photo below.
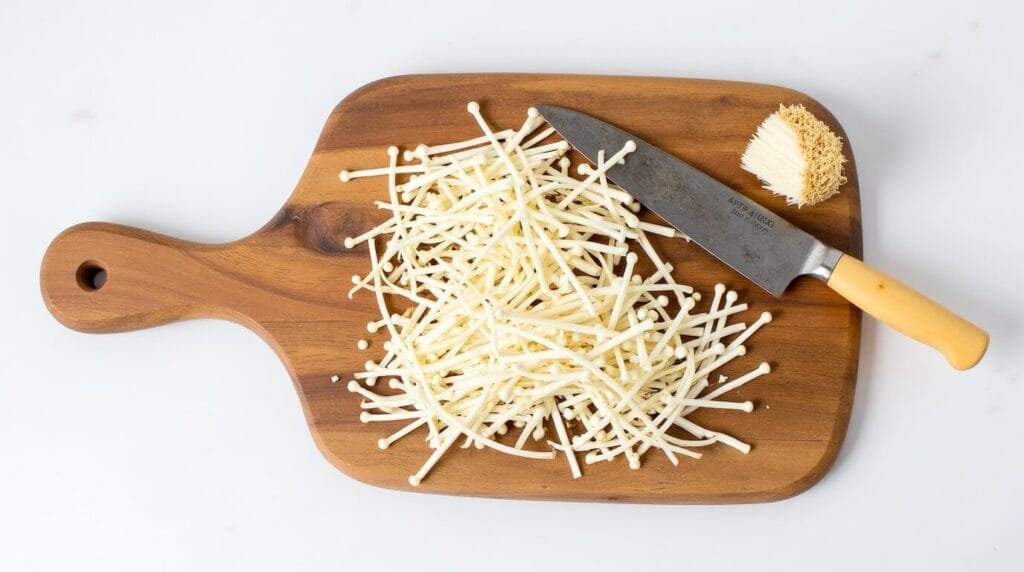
{"type": "Point", "coordinates": [287, 282]}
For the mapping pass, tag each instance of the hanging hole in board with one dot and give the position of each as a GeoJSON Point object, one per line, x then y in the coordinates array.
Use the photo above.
{"type": "Point", "coordinates": [91, 276]}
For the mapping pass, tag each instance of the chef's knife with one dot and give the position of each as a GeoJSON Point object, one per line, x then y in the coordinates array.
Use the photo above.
{"type": "Point", "coordinates": [760, 245]}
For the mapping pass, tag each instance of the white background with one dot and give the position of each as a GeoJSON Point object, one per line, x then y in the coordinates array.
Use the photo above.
{"type": "Point", "coordinates": [184, 447]}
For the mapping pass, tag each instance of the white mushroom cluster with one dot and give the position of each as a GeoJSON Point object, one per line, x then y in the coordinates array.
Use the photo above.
{"type": "Point", "coordinates": [796, 156]}
{"type": "Point", "coordinates": [528, 327]}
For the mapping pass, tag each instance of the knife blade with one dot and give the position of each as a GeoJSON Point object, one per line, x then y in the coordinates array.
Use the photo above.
{"type": "Point", "coordinates": [757, 243]}
{"type": "Point", "coordinates": [751, 239]}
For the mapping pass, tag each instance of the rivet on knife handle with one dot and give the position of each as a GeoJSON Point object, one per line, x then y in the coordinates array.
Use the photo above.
{"type": "Point", "coordinates": [909, 312]}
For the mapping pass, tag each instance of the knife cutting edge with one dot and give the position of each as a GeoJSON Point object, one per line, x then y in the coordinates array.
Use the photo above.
{"type": "Point", "coordinates": [759, 244]}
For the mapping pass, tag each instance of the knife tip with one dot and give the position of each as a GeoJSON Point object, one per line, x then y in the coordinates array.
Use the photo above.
{"type": "Point", "coordinates": [545, 109]}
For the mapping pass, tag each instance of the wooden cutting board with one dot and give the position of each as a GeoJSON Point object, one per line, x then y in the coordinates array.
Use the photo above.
{"type": "Point", "coordinates": [287, 282]}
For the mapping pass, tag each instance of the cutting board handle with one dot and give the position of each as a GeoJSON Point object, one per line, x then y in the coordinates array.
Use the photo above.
{"type": "Point", "coordinates": [99, 277]}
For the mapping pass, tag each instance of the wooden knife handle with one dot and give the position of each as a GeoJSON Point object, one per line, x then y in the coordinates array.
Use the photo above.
{"type": "Point", "coordinates": [909, 312]}
{"type": "Point", "coordinates": [99, 277]}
